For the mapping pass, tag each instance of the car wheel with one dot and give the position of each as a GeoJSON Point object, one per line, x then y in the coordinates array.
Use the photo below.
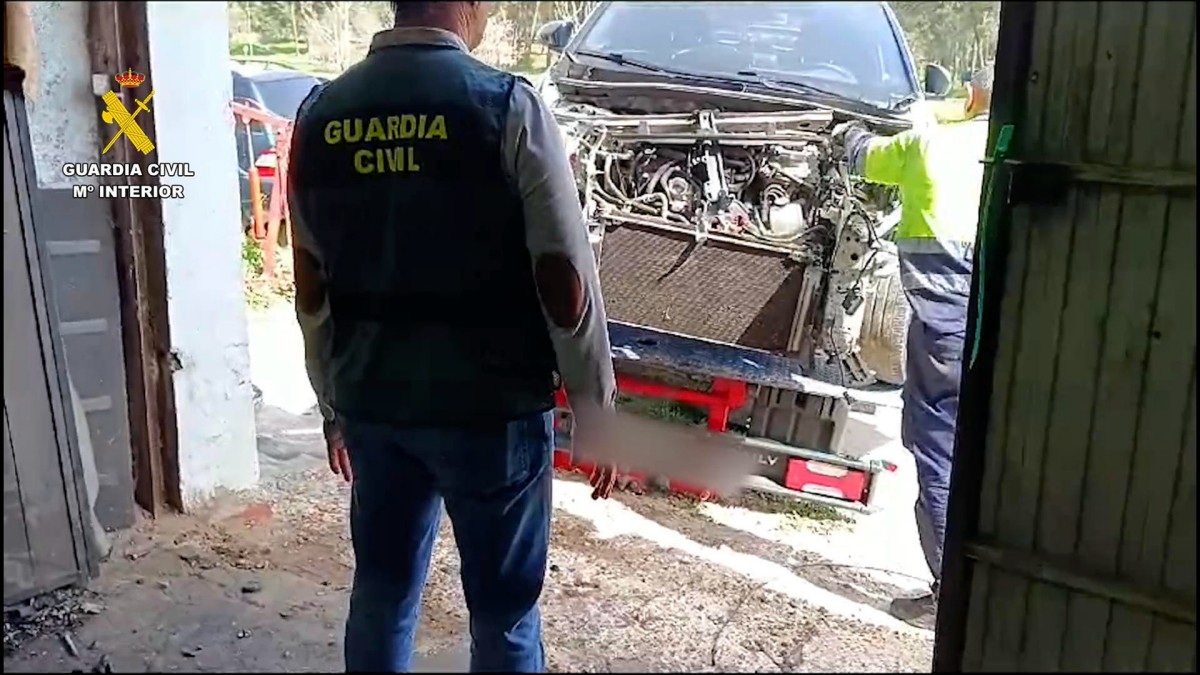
{"type": "Point", "coordinates": [885, 328]}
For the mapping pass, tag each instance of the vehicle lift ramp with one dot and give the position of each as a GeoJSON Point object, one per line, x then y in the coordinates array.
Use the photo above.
{"type": "Point", "coordinates": [815, 474]}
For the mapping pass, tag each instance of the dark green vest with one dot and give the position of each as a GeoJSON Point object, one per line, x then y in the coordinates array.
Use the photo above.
{"type": "Point", "coordinates": [399, 175]}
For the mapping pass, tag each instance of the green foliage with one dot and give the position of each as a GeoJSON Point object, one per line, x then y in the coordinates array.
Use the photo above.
{"type": "Point", "coordinates": [262, 291]}
{"type": "Point", "coordinates": [252, 255]}
{"type": "Point", "coordinates": [328, 35]}
{"type": "Point", "coordinates": [960, 36]}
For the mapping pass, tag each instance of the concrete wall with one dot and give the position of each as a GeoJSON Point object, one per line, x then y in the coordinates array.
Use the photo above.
{"type": "Point", "coordinates": [189, 61]}
{"type": "Point", "coordinates": [61, 107]}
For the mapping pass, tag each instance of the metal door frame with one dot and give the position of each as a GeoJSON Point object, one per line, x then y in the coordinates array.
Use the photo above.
{"type": "Point", "coordinates": [16, 132]}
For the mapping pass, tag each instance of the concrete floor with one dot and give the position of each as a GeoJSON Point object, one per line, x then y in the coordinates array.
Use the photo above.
{"type": "Point", "coordinates": [259, 581]}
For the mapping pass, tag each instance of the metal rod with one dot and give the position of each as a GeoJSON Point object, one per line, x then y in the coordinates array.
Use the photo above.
{"type": "Point", "coordinates": [1105, 174]}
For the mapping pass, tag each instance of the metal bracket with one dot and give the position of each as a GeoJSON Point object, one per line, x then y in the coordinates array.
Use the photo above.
{"type": "Point", "coordinates": [1037, 184]}
{"type": "Point", "coordinates": [1048, 183]}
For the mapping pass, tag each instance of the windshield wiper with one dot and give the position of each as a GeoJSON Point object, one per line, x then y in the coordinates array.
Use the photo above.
{"type": "Point", "coordinates": [789, 85]}
{"type": "Point", "coordinates": [620, 59]}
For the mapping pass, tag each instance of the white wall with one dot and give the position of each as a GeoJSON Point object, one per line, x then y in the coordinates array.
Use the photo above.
{"type": "Point", "coordinates": [60, 105]}
{"type": "Point", "coordinates": [189, 63]}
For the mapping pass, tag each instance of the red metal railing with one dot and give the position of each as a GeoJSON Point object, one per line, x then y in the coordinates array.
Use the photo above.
{"type": "Point", "coordinates": [265, 227]}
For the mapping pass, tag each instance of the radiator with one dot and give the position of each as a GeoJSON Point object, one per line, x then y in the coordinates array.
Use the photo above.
{"type": "Point", "coordinates": [715, 291]}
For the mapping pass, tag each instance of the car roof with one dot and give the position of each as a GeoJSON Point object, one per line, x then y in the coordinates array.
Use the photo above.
{"type": "Point", "coordinates": [242, 68]}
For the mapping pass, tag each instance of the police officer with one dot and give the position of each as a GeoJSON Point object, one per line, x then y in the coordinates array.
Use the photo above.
{"type": "Point", "coordinates": [443, 281]}
{"type": "Point", "coordinates": [939, 173]}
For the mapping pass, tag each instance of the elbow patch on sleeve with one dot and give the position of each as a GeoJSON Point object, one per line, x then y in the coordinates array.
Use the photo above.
{"type": "Point", "coordinates": [560, 288]}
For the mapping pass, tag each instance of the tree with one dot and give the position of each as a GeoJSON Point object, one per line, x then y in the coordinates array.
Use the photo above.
{"type": "Point", "coordinates": [499, 44]}
{"type": "Point", "coordinates": [339, 32]}
{"type": "Point", "coordinates": [958, 35]}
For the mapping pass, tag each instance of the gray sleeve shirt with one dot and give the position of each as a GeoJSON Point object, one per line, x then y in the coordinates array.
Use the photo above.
{"type": "Point", "coordinates": [537, 161]}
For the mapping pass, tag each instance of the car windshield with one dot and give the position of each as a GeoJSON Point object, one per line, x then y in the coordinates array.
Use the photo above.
{"type": "Point", "coordinates": [283, 96]}
{"type": "Point", "coordinates": [845, 48]}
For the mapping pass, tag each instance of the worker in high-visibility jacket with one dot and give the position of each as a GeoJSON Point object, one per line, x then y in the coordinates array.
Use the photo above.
{"type": "Point", "coordinates": [938, 172]}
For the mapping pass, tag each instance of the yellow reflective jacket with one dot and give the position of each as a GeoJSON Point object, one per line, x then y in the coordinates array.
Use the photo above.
{"type": "Point", "coordinates": [939, 172]}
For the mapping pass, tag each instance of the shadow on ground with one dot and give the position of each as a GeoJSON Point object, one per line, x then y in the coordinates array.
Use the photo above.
{"type": "Point", "coordinates": [288, 442]}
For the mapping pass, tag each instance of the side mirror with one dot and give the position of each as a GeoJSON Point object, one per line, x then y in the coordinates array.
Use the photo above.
{"type": "Point", "coordinates": [937, 80]}
{"type": "Point", "coordinates": [556, 34]}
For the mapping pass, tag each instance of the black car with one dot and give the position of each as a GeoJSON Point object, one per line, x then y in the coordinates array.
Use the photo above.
{"type": "Point", "coordinates": [702, 132]}
{"type": "Point", "coordinates": [280, 92]}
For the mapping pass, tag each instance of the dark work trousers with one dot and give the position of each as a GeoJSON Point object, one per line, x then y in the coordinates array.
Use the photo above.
{"type": "Point", "coordinates": [936, 277]}
{"type": "Point", "coordinates": [495, 483]}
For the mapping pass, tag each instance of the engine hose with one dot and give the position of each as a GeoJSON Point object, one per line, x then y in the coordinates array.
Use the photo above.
{"type": "Point", "coordinates": [608, 179]}
{"type": "Point", "coordinates": [664, 203]}
{"type": "Point", "coordinates": [610, 199]}
{"type": "Point", "coordinates": [659, 174]}
{"type": "Point", "coordinates": [640, 200]}
{"type": "Point", "coordinates": [608, 160]}
{"type": "Point", "coordinates": [620, 202]}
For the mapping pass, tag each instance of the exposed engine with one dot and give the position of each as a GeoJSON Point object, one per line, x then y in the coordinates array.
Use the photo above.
{"type": "Point", "coordinates": [764, 178]}
{"type": "Point", "coordinates": [767, 181]}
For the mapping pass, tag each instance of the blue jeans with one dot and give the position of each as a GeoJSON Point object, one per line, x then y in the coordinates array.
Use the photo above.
{"type": "Point", "coordinates": [496, 485]}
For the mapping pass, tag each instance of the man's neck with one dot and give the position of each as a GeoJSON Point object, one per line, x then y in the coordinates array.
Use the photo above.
{"type": "Point", "coordinates": [440, 24]}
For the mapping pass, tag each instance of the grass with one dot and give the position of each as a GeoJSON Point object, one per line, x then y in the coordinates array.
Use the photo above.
{"type": "Point", "coordinates": [796, 511]}
{"type": "Point", "coordinates": [262, 292]}
{"type": "Point", "coordinates": [661, 410]}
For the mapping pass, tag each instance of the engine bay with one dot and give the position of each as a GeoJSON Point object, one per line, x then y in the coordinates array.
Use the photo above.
{"type": "Point", "coordinates": [764, 181]}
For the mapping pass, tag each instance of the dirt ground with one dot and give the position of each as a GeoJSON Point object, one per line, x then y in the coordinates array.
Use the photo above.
{"type": "Point", "coordinates": [259, 581]}
{"type": "Point", "coordinates": [646, 583]}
